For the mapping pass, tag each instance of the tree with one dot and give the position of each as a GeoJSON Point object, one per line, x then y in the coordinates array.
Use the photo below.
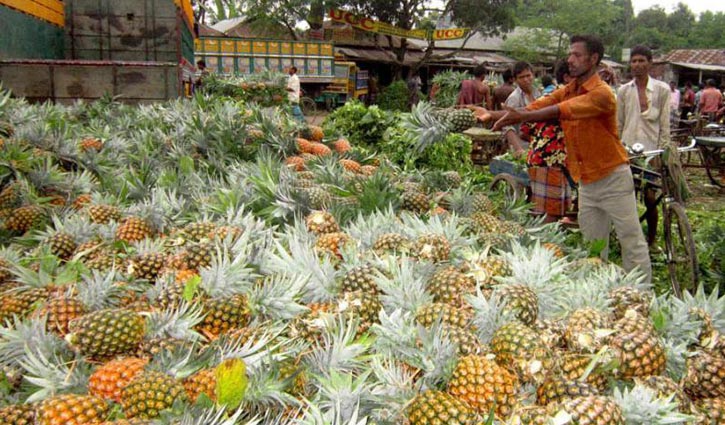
{"type": "Point", "coordinates": [709, 31]}
{"type": "Point", "coordinates": [561, 19]}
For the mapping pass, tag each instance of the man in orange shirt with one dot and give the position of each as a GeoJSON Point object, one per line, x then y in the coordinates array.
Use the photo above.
{"type": "Point", "coordinates": [596, 157]}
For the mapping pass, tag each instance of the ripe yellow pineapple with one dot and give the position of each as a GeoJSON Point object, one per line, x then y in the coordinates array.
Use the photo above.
{"type": "Point", "coordinates": [91, 144]}
{"type": "Point", "coordinates": [103, 214]}
{"type": "Point", "coordinates": [391, 243]}
{"type": "Point", "coordinates": [361, 278]}
{"type": "Point", "coordinates": [59, 312]}
{"type": "Point", "coordinates": [590, 410]}
{"type": "Point", "coordinates": [429, 314]}
{"type": "Point", "coordinates": [638, 347]}
{"type": "Point", "coordinates": [316, 133]}
{"type": "Point", "coordinates": [520, 348]}
{"type": "Point", "coordinates": [71, 409]}
{"type": "Point", "coordinates": [224, 314]}
{"type": "Point", "coordinates": [483, 384]}
{"type": "Point", "coordinates": [432, 247]}
{"type": "Point", "coordinates": [705, 376]}
{"type": "Point", "coordinates": [332, 243]}
{"type": "Point", "coordinates": [351, 165]}
{"type": "Point", "coordinates": [24, 218]}
{"type": "Point", "coordinates": [133, 229]}
{"type": "Point", "coordinates": [321, 222]}
{"type": "Point", "coordinates": [109, 379]}
{"type": "Point", "coordinates": [17, 414]}
{"type": "Point", "coordinates": [448, 285]}
{"type": "Point", "coordinates": [556, 389]}
{"type": "Point", "coordinates": [586, 330]}
{"type": "Point", "coordinates": [438, 408]}
{"type": "Point", "coordinates": [296, 163]}
{"type": "Point", "coordinates": [521, 300]}
{"type": "Point", "coordinates": [201, 382]}
{"type": "Point", "coordinates": [417, 202]}
{"type": "Point", "coordinates": [341, 145]}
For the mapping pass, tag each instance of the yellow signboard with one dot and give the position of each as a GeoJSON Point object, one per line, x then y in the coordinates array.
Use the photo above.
{"type": "Point", "coordinates": [369, 24]}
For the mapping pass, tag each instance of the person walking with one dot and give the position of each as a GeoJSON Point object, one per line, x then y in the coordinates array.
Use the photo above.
{"type": "Point", "coordinates": [587, 110]}
{"type": "Point", "coordinates": [293, 93]}
{"type": "Point", "coordinates": [643, 116]}
{"type": "Point", "coordinates": [674, 104]}
{"type": "Point", "coordinates": [688, 102]}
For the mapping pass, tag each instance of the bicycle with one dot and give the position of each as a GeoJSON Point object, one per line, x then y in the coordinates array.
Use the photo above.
{"type": "Point", "coordinates": [308, 106]}
{"type": "Point", "coordinates": [680, 251]}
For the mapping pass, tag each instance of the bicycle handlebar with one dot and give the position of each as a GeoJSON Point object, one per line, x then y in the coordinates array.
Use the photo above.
{"type": "Point", "coordinates": [635, 154]}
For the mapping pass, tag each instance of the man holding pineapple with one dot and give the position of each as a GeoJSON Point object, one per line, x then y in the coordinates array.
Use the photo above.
{"type": "Point", "coordinates": [587, 110]}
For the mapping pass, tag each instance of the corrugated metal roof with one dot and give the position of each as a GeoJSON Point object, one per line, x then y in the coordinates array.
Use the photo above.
{"type": "Point", "coordinates": [378, 55]}
{"type": "Point", "coordinates": [695, 56]}
{"type": "Point", "coordinates": [700, 66]}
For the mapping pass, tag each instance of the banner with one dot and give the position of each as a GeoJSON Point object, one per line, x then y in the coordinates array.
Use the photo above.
{"type": "Point", "coordinates": [371, 25]}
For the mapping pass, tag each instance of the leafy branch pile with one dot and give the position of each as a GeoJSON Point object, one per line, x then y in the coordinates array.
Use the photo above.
{"type": "Point", "coordinates": [265, 89]}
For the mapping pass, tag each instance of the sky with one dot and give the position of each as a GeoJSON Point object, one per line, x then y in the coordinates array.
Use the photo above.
{"type": "Point", "coordinates": [696, 6]}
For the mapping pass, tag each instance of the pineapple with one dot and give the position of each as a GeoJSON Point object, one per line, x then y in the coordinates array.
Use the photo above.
{"type": "Point", "coordinates": [391, 243]}
{"type": "Point", "coordinates": [316, 133]}
{"type": "Point", "coordinates": [664, 387]}
{"type": "Point", "coordinates": [103, 213]}
{"type": "Point", "coordinates": [107, 333]}
{"type": "Point", "coordinates": [148, 260]}
{"type": "Point", "coordinates": [198, 255]}
{"type": "Point", "coordinates": [321, 222]}
{"type": "Point", "coordinates": [438, 408]}
{"type": "Point", "coordinates": [460, 119]}
{"type": "Point", "coordinates": [133, 229]}
{"type": "Point", "coordinates": [432, 247]}
{"type": "Point", "coordinates": [590, 410]}
{"type": "Point", "coordinates": [429, 314]}
{"type": "Point", "coordinates": [201, 382]}
{"type": "Point", "coordinates": [486, 223]}
{"type": "Point", "coordinates": [318, 197]}
{"type": "Point", "coordinates": [519, 347]}
{"type": "Point", "coordinates": [521, 301]}
{"type": "Point", "coordinates": [448, 285]}
{"type": "Point", "coordinates": [705, 376]}
{"type": "Point", "coordinates": [361, 278]}
{"type": "Point", "coordinates": [628, 298]}
{"type": "Point", "coordinates": [109, 379]}
{"type": "Point", "coordinates": [149, 393]}
{"type": "Point", "coordinates": [484, 385]}
{"type": "Point", "coordinates": [71, 409]}
{"type": "Point", "coordinates": [17, 414]}
{"type": "Point", "coordinates": [583, 330]}
{"type": "Point", "coordinates": [20, 303]}
{"type": "Point", "coordinates": [362, 305]}
{"type": "Point", "coordinates": [23, 219]}
{"type": "Point", "coordinates": [637, 346]}
{"type": "Point", "coordinates": [199, 230]}
{"type": "Point", "coordinates": [713, 410]}
{"type": "Point", "coordinates": [351, 165]}
{"type": "Point", "coordinates": [415, 201]}
{"type": "Point", "coordinates": [90, 144]}
{"type": "Point", "coordinates": [60, 311]}
{"type": "Point", "coordinates": [333, 243]}
{"type": "Point", "coordinates": [341, 145]}
{"type": "Point", "coordinates": [556, 389]}
{"type": "Point", "coordinates": [296, 163]}
{"type": "Point", "coordinates": [573, 367]}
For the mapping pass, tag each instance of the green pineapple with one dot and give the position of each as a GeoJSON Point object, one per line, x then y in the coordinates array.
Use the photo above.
{"type": "Point", "coordinates": [149, 259]}
{"type": "Point", "coordinates": [521, 300]}
{"type": "Point", "coordinates": [448, 285]}
{"type": "Point", "coordinates": [437, 407]}
{"type": "Point", "coordinates": [432, 247]}
{"type": "Point", "coordinates": [108, 332]}
{"type": "Point", "coordinates": [361, 278]}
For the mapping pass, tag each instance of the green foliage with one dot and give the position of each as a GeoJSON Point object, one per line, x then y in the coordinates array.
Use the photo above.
{"type": "Point", "coordinates": [395, 97]}
{"type": "Point", "coordinates": [449, 85]}
{"type": "Point", "coordinates": [361, 125]}
{"type": "Point", "coordinates": [452, 153]}
{"type": "Point", "coordinates": [264, 89]}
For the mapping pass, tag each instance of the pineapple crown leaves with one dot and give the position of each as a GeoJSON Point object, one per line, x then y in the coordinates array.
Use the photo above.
{"type": "Point", "coordinates": [425, 129]}
{"type": "Point", "coordinates": [366, 228]}
{"type": "Point", "coordinates": [403, 286]}
{"type": "Point", "coordinates": [180, 361]}
{"type": "Point", "coordinates": [51, 272]}
{"type": "Point", "coordinates": [314, 415]}
{"type": "Point", "coordinates": [641, 406]}
{"type": "Point", "coordinates": [489, 314]}
{"type": "Point", "coordinates": [429, 349]}
{"type": "Point", "coordinates": [49, 374]}
{"type": "Point", "coordinates": [339, 349]}
{"type": "Point", "coordinates": [299, 257]}
{"type": "Point", "coordinates": [713, 304]}
{"type": "Point", "coordinates": [395, 385]}
{"type": "Point", "coordinates": [82, 182]}
{"type": "Point", "coordinates": [676, 355]}
{"type": "Point", "coordinates": [672, 320]}
{"type": "Point", "coordinates": [265, 344]}
{"type": "Point", "coordinates": [344, 396]}
{"type": "Point", "coordinates": [275, 197]}
{"type": "Point", "coordinates": [201, 415]}
{"type": "Point", "coordinates": [148, 246]}
{"type": "Point", "coordinates": [278, 296]}
{"type": "Point", "coordinates": [537, 268]}
{"type": "Point", "coordinates": [228, 275]}
{"type": "Point", "coordinates": [450, 227]}
{"type": "Point", "coordinates": [101, 290]}
{"type": "Point", "coordinates": [175, 323]}
{"type": "Point", "coordinates": [266, 391]}
{"type": "Point", "coordinates": [17, 336]}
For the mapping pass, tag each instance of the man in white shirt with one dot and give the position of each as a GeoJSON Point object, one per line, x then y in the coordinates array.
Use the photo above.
{"type": "Point", "coordinates": [643, 116]}
{"type": "Point", "coordinates": [293, 93]}
{"type": "Point", "coordinates": [674, 103]}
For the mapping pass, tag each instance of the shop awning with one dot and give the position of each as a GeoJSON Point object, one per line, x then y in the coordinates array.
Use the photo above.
{"type": "Point", "coordinates": [700, 66]}
{"type": "Point", "coordinates": [377, 55]}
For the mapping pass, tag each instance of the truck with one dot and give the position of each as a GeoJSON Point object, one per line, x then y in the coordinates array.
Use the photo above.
{"type": "Point", "coordinates": [325, 78]}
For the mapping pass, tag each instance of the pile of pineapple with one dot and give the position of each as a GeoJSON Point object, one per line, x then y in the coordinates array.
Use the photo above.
{"type": "Point", "coordinates": [204, 262]}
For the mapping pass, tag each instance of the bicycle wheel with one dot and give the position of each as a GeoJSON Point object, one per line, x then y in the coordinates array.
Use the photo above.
{"type": "Point", "coordinates": [507, 185]}
{"type": "Point", "coordinates": [680, 249]}
{"type": "Point", "coordinates": [308, 106]}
